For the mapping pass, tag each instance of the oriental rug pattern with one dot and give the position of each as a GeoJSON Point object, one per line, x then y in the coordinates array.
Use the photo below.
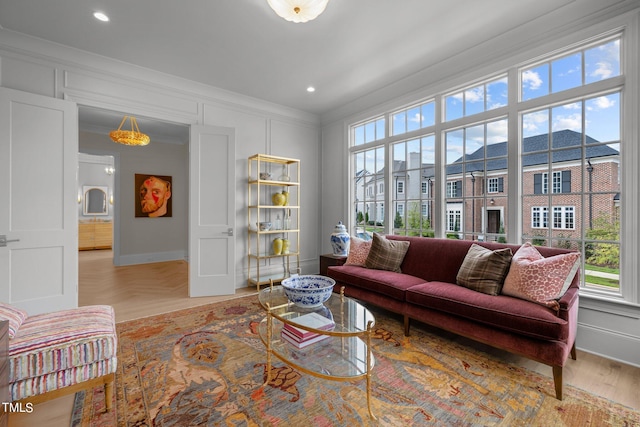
{"type": "Point", "coordinates": [206, 366]}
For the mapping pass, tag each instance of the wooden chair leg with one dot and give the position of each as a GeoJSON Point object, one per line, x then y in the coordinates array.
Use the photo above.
{"type": "Point", "coordinates": [407, 324]}
{"type": "Point", "coordinates": [108, 393]}
{"type": "Point", "coordinates": [573, 352]}
{"type": "Point", "coordinates": [557, 379]}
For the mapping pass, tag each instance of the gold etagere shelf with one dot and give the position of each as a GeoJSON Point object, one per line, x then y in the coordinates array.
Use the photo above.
{"type": "Point", "coordinates": [269, 175]}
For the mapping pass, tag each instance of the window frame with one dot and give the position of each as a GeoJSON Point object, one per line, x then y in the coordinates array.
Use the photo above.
{"type": "Point", "coordinates": [627, 85]}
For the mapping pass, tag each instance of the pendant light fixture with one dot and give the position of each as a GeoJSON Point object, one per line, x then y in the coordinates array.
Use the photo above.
{"type": "Point", "coordinates": [298, 10]}
{"type": "Point", "coordinates": [129, 137]}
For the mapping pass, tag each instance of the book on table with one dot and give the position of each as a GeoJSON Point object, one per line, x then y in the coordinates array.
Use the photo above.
{"type": "Point", "coordinates": [311, 320]}
{"type": "Point", "coordinates": [302, 342]}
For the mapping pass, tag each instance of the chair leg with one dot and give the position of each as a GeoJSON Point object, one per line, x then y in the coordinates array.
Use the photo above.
{"type": "Point", "coordinates": [407, 324]}
{"type": "Point", "coordinates": [573, 351]}
{"type": "Point", "coordinates": [108, 392]}
{"type": "Point", "coordinates": [557, 379]}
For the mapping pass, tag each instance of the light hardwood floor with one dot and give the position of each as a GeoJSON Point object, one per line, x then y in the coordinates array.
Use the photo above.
{"type": "Point", "coordinates": [145, 290]}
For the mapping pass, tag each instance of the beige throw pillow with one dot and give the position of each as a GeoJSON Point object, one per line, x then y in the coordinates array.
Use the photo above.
{"type": "Point", "coordinates": [386, 254]}
{"type": "Point", "coordinates": [484, 270]}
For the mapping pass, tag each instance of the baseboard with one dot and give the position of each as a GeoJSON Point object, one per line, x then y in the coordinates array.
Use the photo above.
{"type": "Point", "coordinates": [609, 344]}
{"type": "Point", "coordinates": [150, 258]}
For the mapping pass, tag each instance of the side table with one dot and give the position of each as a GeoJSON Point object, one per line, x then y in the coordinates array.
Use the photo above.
{"type": "Point", "coordinates": [330, 260]}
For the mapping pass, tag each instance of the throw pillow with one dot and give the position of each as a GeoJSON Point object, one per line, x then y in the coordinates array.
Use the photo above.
{"type": "Point", "coordinates": [386, 254]}
{"type": "Point", "coordinates": [539, 279]}
{"type": "Point", "coordinates": [14, 315]}
{"type": "Point", "coordinates": [483, 270]}
{"type": "Point", "coordinates": [358, 251]}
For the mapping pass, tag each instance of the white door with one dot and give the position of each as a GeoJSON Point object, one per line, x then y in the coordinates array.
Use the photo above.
{"type": "Point", "coordinates": [211, 211]}
{"type": "Point", "coordinates": [39, 193]}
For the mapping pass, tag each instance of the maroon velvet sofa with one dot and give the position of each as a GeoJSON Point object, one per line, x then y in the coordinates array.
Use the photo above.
{"type": "Point", "coordinates": [426, 291]}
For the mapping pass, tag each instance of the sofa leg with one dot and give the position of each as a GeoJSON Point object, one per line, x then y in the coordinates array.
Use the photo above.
{"type": "Point", "coordinates": [557, 379]}
{"type": "Point", "coordinates": [108, 392]}
{"type": "Point", "coordinates": [407, 324]}
{"type": "Point", "coordinates": [573, 352]}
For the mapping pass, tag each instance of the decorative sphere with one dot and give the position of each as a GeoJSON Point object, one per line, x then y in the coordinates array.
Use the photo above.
{"type": "Point", "coordinates": [309, 290]}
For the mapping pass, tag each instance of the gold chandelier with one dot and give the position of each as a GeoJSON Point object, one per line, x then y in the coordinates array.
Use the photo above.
{"type": "Point", "coordinates": [129, 137]}
{"type": "Point", "coordinates": [298, 10]}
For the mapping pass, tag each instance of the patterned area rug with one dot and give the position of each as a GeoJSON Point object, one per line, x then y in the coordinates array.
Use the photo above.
{"type": "Point", "coordinates": [206, 366]}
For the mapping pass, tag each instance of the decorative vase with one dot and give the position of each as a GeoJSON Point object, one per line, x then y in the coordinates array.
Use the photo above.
{"type": "Point", "coordinates": [277, 246]}
{"type": "Point", "coordinates": [278, 199]}
{"type": "Point", "coordinates": [340, 240]}
{"type": "Point", "coordinates": [285, 246]}
{"type": "Point", "coordinates": [286, 198]}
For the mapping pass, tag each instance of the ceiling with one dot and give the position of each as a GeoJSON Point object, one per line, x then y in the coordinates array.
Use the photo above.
{"type": "Point", "coordinates": [354, 48]}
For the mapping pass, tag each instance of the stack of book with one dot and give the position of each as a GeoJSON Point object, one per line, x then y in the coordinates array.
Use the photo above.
{"type": "Point", "coordinates": [300, 337]}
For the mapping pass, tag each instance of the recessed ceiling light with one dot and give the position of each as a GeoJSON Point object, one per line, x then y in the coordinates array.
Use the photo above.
{"type": "Point", "coordinates": [311, 89]}
{"type": "Point", "coordinates": [100, 16]}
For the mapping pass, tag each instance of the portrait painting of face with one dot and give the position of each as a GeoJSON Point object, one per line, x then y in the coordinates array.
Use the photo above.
{"type": "Point", "coordinates": [153, 196]}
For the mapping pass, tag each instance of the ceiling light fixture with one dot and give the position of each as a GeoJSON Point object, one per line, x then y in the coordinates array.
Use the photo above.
{"type": "Point", "coordinates": [311, 89]}
{"type": "Point", "coordinates": [100, 16]}
{"type": "Point", "coordinates": [298, 10]}
{"type": "Point", "coordinates": [129, 137]}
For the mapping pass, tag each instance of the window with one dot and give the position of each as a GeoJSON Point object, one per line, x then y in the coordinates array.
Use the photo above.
{"type": "Point", "coordinates": [477, 99]}
{"type": "Point", "coordinates": [413, 118]}
{"type": "Point", "coordinates": [560, 182]}
{"type": "Point", "coordinates": [495, 185]}
{"type": "Point", "coordinates": [565, 128]}
{"type": "Point", "coordinates": [454, 189]}
{"type": "Point", "coordinates": [413, 169]}
{"type": "Point", "coordinates": [600, 62]}
{"type": "Point", "coordinates": [454, 219]}
{"type": "Point", "coordinates": [370, 131]}
{"type": "Point", "coordinates": [539, 217]}
{"type": "Point", "coordinates": [472, 152]}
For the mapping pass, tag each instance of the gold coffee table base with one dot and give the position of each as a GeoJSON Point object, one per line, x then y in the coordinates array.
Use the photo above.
{"type": "Point", "coordinates": [337, 358]}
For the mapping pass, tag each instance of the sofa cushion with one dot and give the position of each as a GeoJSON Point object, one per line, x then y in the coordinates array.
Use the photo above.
{"type": "Point", "coordinates": [539, 279]}
{"type": "Point", "coordinates": [358, 251]}
{"type": "Point", "coordinates": [386, 254]}
{"type": "Point", "coordinates": [484, 270]}
{"type": "Point", "coordinates": [387, 283]}
{"type": "Point", "coordinates": [14, 315]}
{"type": "Point", "coordinates": [500, 312]}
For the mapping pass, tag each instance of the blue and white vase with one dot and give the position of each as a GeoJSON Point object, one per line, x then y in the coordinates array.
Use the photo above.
{"type": "Point", "coordinates": [340, 240]}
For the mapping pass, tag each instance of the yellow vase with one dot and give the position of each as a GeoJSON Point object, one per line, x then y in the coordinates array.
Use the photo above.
{"type": "Point", "coordinates": [278, 199]}
{"type": "Point", "coordinates": [285, 246]}
{"type": "Point", "coordinates": [286, 198]}
{"type": "Point", "coordinates": [277, 246]}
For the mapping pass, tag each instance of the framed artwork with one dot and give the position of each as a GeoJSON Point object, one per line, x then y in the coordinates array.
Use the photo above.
{"type": "Point", "coordinates": [153, 196]}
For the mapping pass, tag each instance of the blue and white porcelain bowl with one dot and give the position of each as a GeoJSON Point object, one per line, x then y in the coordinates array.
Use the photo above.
{"type": "Point", "coordinates": [308, 290]}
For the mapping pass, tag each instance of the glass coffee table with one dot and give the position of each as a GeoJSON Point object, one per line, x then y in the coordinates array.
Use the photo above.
{"type": "Point", "coordinates": [345, 355]}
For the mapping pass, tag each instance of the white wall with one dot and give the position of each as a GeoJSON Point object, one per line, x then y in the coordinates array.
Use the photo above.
{"type": "Point", "coordinates": [605, 327]}
{"type": "Point", "coordinates": [44, 68]}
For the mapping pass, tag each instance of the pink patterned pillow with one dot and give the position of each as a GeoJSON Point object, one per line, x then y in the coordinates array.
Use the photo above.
{"type": "Point", "coordinates": [539, 279]}
{"type": "Point", "coordinates": [14, 315]}
{"type": "Point", "coordinates": [358, 251]}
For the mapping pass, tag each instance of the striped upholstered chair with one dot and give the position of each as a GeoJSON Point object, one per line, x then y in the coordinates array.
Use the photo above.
{"type": "Point", "coordinates": [62, 352]}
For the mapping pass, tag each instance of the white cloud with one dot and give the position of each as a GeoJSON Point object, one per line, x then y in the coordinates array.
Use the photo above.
{"type": "Point", "coordinates": [603, 71]}
{"type": "Point", "coordinates": [531, 123]}
{"type": "Point", "coordinates": [531, 79]}
{"type": "Point", "coordinates": [571, 122]}
{"type": "Point", "coordinates": [603, 102]}
{"type": "Point", "coordinates": [475, 94]}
